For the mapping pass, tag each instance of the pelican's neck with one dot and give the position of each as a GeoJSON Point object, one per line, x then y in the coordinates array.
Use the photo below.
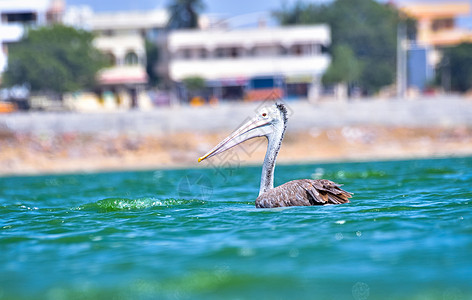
{"type": "Point", "coordinates": [273, 147]}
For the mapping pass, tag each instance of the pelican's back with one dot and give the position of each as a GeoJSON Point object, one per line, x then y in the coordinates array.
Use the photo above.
{"type": "Point", "coordinates": [303, 192]}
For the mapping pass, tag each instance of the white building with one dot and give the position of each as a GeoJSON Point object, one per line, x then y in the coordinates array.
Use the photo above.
{"type": "Point", "coordinates": [121, 36]}
{"type": "Point", "coordinates": [229, 59]}
{"type": "Point", "coordinates": [16, 15]}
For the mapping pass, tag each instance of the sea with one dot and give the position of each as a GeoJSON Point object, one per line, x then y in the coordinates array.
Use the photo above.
{"type": "Point", "coordinates": [196, 234]}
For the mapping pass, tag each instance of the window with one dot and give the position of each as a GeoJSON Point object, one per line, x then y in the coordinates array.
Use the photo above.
{"type": "Point", "coordinates": [110, 58]}
{"type": "Point", "coordinates": [27, 17]}
{"type": "Point", "coordinates": [234, 52]}
{"type": "Point", "coordinates": [131, 58]}
{"type": "Point", "coordinates": [108, 32]}
{"type": "Point", "coordinates": [283, 50]}
{"type": "Point", "coordinates": [297, 50]}
{"type": "Point", "coordinates": [442, 24]}
{"type": "Point", "coordinates": [203, 53]}
{"type": "Point", "coordinates": [186, 53]}
{"type": "Point", "coordinates": [220, 52]}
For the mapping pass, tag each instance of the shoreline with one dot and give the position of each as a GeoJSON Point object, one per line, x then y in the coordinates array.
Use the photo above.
{"type": "Point", "coordinates": [30, 154]}
{"type": "Point", "coordinates": [196, 167]}
{"type": "Point", "coordinates": [36, 143]}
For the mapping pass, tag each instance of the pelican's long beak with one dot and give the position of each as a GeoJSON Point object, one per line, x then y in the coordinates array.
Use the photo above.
{"type": "Point", "coordinates": [251, 129]}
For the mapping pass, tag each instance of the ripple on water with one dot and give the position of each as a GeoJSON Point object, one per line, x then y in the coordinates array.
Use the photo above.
{"type": "Point", "coordinates": [117, 204]}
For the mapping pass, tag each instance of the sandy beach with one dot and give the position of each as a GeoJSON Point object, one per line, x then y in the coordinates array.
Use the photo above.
{"type": "Point", "coordinates": [172, 138]}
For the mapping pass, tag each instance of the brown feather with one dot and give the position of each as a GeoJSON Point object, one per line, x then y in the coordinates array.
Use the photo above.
{"type": "Point", "coordinates": [304, 192]}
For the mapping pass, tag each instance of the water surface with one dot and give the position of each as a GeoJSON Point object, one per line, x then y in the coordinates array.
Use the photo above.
{"type": "Point", "coordinates": [190, 234]}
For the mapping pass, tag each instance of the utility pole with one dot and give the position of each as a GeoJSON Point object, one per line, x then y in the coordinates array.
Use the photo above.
{"type": "Point", "coordinates": [401, 60]}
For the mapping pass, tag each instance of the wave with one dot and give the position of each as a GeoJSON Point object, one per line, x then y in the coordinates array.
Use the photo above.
{"type": "Point", "coordinates": [117, 204]}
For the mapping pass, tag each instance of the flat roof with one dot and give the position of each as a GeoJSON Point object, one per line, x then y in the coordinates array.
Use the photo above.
{"type": "Point", "coordinates": [14, 6]}
{"type": "Point", "coordinates": [129, 19]}
{"type": "Point", "coordinates": [441, 9]}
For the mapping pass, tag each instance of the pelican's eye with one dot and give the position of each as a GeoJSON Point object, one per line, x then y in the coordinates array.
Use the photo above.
{"type": "Point", "coordinates": [264, 115]}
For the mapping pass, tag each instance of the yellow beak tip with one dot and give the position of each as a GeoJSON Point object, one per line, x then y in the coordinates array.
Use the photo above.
{"type": "Point", "coordinates": [200, 159]}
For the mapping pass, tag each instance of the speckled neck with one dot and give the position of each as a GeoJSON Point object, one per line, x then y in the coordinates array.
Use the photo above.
{"type": "Point", "coordinates": [273, 147]}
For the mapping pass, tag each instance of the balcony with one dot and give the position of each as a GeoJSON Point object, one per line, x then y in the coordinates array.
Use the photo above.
{"type": "Point", "coordinates": [246, 67]}
{"type": "Point", "coordinates": [448, 37]}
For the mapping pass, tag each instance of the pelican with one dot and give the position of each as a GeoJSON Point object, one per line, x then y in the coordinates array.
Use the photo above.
{"type": "Point", "coordinates": [271, 122]}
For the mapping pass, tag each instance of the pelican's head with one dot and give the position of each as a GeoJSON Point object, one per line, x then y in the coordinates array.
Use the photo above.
{"type": "Point", "coordinates": [268, 121]}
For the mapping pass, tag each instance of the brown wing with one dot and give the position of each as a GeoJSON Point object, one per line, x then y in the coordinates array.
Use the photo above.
{"type": "Point", "coordinates": [303, 192]}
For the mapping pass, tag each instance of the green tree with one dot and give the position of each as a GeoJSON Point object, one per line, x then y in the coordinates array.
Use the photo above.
{"type": "Point", "coordinates": [152, 57]}
{"type": "Point", "coordinates": [344, 68]}
{"type": "Point", "coordinates": [54, 59]}
{"type": "Point", "coordinates": [194, 85]}
{"type": "Point", "coordinates": [366, 26]}
{"type": "Point", "coordinates": [456, 67]}
{"type": "Point", "coordinates": [298, 14]}
{"type": "Point", "coordinates": [184, 13]}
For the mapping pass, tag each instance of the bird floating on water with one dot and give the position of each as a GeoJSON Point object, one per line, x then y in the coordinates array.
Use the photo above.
{"type": "Point", "coordinates": [271, 122]}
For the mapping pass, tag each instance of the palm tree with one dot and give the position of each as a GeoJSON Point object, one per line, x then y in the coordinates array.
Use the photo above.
{"type": "Point", "coordinates": [184, 13]}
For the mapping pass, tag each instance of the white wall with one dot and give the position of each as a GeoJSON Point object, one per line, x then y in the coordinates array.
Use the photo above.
{"type": "Point", "coordinates": [14, 31]}
{"type": "Point", "coordinates": [288, 51]}
{"type": "Point", "coordinates": [213, 69]}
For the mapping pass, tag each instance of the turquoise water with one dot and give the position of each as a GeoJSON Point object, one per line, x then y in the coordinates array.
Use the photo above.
{"type": "Point", "coordinates": [195, 234]}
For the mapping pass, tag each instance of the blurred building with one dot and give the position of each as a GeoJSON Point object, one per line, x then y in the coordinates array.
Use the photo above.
{"type": "Point", "coordinates": [122, 37]}
{"type": "Point", "coordinates": [436, 29]}
{"type": "Point", "coordinates": [16, 15]}
{"type": "Point", "coordinates": [437, 22]}
{"type": "Point", "coordinates": [254, 63]}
